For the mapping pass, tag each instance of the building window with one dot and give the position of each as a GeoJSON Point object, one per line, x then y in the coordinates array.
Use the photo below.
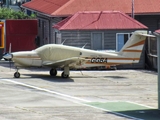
{"type": "Point", "coordinates": [121, 39]}
{"type": "Point", "coordinates": [153, 46]}
{"type": "Point", "coordinates": [58, 38]}
{"type": "Point", "coordinates": [97, 40]}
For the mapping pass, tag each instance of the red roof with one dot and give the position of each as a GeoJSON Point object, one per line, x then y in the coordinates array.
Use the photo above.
{"type": "Point", "coordinates": [158, 31]}
{"type": "Point", "coordinates": [45, 6]}
{"type": "Point", "coordinates": [99, 20]}
{"type": "Point", "coordinates": [70, 7]}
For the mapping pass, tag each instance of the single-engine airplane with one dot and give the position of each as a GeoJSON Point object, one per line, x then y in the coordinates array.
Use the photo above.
{"type": "Point", "coordinates": [66, 57]}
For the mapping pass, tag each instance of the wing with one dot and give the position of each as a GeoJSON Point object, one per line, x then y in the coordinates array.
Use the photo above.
{"type": "Point", "coordinates": [64, 62]}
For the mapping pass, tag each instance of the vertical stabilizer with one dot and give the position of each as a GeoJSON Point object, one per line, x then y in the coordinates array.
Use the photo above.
{"type": "Point", "coordinates": [134, 46]}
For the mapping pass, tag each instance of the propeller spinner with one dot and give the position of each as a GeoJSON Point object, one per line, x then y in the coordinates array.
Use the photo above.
{"type": "Point", "coordinates": [8, 56]}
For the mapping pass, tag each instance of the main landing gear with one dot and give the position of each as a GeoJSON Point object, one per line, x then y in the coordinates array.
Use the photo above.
{"type": "Point", "coordinates": [65, 73]}
{"type": "Point", "coordinates": [53, 72]}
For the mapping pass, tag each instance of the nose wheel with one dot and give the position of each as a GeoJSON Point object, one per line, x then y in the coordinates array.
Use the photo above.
{"type": "Point", "coordinates": [17, 74]}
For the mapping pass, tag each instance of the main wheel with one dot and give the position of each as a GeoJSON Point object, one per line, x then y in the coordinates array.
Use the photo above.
{"type": "Point", "coordinates": [16, 74]}
{"type": "Point", "coordinates": [53, 72]}
{"type": "Point", "coordinates": [64, 75]}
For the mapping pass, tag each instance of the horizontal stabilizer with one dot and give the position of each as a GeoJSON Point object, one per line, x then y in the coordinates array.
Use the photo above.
{"type": "Point", "coordinates": [147, 35]}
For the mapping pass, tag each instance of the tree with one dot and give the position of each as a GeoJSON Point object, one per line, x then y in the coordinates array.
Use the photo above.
{"type": "Point", "coordinates": [7, 13]}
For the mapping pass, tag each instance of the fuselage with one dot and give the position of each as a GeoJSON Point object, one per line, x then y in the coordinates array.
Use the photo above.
{"type": "Point", "coordinates": [57, 52]}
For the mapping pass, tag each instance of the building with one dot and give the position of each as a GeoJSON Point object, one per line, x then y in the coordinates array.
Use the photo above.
{"type": "Point", "coordinates": [51, 12]}
{"type": "Point", "coordinates": [102, 30]}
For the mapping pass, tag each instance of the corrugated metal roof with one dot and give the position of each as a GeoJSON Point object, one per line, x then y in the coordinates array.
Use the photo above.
{"type": "Point", "coordinates": [45, 6]}
{"type": "Point", "coordinates": [99, 20]}
{"type": "Point", "coordinates": [70, 7]}
{"type": "Point", "coordinates": [158, 31]}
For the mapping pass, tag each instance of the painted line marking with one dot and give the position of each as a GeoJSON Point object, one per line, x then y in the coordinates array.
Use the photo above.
{"type": "Point", "coordinates": [140, 104]}
{"type": "Point", "coordinates": [116, 113]}
{"type": "Point", "coordinates": [71, 97]}
{"type": "Point", "coordinates": [49, 91]}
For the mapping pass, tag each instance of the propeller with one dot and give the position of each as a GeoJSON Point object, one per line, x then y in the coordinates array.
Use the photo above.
{"type": "Point", "coordinates": [8, 56]}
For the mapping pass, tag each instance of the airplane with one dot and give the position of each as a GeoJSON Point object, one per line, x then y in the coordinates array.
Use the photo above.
{"type": "Point", "coordinates": [61, 56]}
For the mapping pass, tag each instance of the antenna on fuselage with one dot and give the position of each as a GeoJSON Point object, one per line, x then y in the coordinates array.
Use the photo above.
{"type": "Point", "coordinates": [84, 45]}
{"type": "Point", "coordinates": [63, 41]}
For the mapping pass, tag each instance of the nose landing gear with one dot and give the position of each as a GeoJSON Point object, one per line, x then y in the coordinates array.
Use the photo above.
{"type": "Point", "coordinates": [17, 74]}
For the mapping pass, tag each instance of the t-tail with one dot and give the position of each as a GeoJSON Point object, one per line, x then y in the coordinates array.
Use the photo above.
{"type": "Point", "coordinates": [134, 46]}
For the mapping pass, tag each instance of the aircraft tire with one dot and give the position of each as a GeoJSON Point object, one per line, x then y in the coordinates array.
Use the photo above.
{"type": "Point", "coordinates": [53, 72]}
{"type": "Point", "coordinates": [64, 75]}
{"type": "Point", "coordinates": [17, 75]}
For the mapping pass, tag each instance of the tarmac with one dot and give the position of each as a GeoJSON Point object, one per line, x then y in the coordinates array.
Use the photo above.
{"type": "Point", "coordinates": [86, 95]}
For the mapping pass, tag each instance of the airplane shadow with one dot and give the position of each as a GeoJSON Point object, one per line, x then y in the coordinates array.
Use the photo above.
{"type": "Point", "coordinates": [48, 78]}
{"type": "Point", "coordinates": [149, 72]}
{"type": "Point", "coordinates": [115, 77]}
{"type": "Point", "coordinates": [83, 76]}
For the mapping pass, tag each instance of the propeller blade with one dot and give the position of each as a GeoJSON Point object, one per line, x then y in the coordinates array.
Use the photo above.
{"type": "Point", "coordinates": [10, 45]}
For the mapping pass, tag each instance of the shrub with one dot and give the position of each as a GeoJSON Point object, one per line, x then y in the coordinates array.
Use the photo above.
{"type": "Point", "coordinates": [7, 13]}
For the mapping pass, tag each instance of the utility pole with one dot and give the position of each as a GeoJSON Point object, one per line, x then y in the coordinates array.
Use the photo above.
{"type": "Point", "coordinates": [158, 54]}
{"type": "Point", "coordinates": [132, 8]}
{"type": "Point", "coordinates": [158, 66]}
